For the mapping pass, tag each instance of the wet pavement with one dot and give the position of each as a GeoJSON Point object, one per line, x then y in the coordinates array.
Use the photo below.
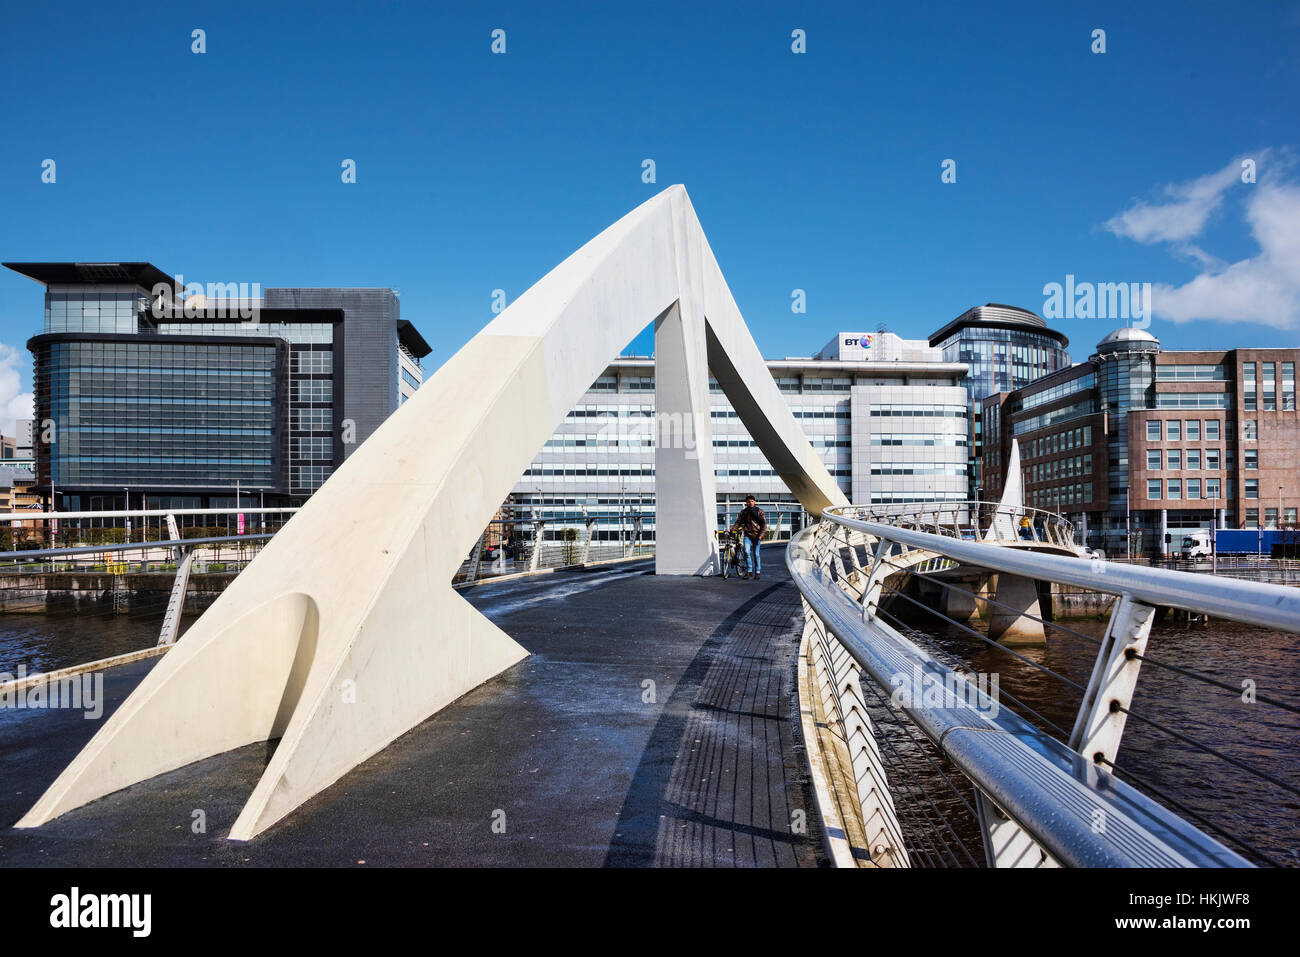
{"type": "Point", "coordinates": [655, 724]}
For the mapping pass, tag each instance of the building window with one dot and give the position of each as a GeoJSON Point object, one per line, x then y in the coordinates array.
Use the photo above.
{"type": "Point", "coordinates": [1193, 488]}
{"type": "Point", "coordinates": [1174, 459]}
{"type": "Point", "coordinates": [1153, 460]}
{"type": "Point", "coordinates": [1212, 430]}
{"type": "Point", "coordinates": [1248, 386]}
{"type": "Point", "coordinates": [1250, 429]}
{"type": "Point", "coordinates": [1153, 488]}
{"type": "Point", "coordinates": [1173, 430]}
{"type": "Point", "coordinates": [315, 390]}
{"type": "Point", "coordinates": [1193, 458]}
{"type": "Point", "coordinates": [1252, 488]}
{"type": "Point", "coordinates": [1288, 386]}
{"type": "Point", "coordinates": [1270, 518]}
{"type": "Point", "coordinates": [1252, 518]}
{"type": "Point", "coordinates": [1174, 488]}
{"type": "Point", "coordinates": [1153, 430]}
{"type": "Point", "coordinates": [1270, 386]}
{"type": "Point", "coordinates": [1193, 427]}
{"type": "Point", "coordinates": [1250, 458]}
{"type": "Point", "coordinates": [1211, 488]}
{"type": "Point", "coordinates": [1290, 514]}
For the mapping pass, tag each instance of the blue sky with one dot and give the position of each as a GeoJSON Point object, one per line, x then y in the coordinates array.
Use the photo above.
{"type": "Point", "coordinates": [818, 171]}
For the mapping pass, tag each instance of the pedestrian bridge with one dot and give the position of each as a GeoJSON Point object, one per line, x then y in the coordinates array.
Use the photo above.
{"type": "Point", "coordinates": [344, 636]}
{"type": "Point", "coordinates": [655, 722]}
{"type": "Point", "coordinates": [669, 720]}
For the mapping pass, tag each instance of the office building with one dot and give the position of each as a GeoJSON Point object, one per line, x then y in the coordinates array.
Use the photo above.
{"type": "Point", "coordinates": [1137, 443]}
{"type": "Point", "coordinates": [887, 415]}
{"type": "Point", "coordinates": [184, 399]}
{"type": "Point", "coordinates": [1005, 348]}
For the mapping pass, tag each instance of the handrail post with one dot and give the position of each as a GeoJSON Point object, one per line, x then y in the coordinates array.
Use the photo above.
{"type": "Point", "coordinates": [1102, 713]}
{"type": "Point", "coordinates": [591, 532]}
{"type": "Point", "coordinates": [536, 557]}
{"type": "Point", "coordinates": [875, 582]}
{"type": "Point", "coordinates": [476, 558]}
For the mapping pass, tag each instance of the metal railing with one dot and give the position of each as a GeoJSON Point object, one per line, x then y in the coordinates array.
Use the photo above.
{"type": "Point", "coordinates": [150, 577]}
{"type": "Point", "coordinates": [31, 530]}
{"type": "Point", "coordinates": [977, 521]}
{"type": "Point", "coordinates": [526, 544]}
{"type": "Point", "coordinates": [533, 542]}
{"type": "Point", "coordinates": [969, 767]}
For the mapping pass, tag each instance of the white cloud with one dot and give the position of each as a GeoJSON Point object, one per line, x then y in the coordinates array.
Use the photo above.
{"type": "Point", "coordinates": [1184, 216]}
{"type": "Point", "coordinates": [14, 403]}
{"type": "Point", "coordinates": [1263, 288]}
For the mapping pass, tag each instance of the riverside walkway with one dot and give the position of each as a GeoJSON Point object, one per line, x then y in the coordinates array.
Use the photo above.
{"type": "Point", "coordinates": [655, 724]}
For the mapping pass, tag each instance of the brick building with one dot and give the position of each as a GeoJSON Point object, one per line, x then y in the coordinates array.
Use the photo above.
{"type": "Point", "coordinates": [1138, 443]}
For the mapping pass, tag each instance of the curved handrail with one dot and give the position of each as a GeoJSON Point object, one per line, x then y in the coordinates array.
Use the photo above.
{"type": "Point", "coordinates": [1255, 603]}
{"type": "Point", "coordinates": [956, 518]}
{"type": "Point", "coordinates": [1049, 790]}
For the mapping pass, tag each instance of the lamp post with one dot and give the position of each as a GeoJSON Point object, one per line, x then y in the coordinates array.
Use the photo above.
{"type": "Point", "coordinates": [1214, 533]}
{"type": "Point", "coordinates": [1128, 527]}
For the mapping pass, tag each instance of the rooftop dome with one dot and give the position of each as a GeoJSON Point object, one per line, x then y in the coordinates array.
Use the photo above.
{"type": "Point", "coordinates": [1127, 338]}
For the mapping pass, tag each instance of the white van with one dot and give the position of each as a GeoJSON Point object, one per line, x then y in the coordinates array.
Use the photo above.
{"type": "Point", "coordinates": [1196, 544]}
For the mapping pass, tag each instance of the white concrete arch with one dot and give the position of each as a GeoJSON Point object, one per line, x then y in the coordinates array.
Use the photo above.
{"type": "Point", "coordinates": [345, 633]}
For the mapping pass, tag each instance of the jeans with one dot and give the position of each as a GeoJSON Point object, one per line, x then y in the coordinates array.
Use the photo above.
{"type": "Point", "coordinates": [753, 563]}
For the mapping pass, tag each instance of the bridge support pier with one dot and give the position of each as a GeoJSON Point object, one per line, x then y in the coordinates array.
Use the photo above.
{"type": "Point", "coordinates": [1009, 619]}
{"type": "Point", "coordinates": [958, 602]}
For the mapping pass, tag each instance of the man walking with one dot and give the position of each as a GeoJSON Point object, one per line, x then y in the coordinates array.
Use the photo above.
{"type": "Point", "coordinates": [751, 523]}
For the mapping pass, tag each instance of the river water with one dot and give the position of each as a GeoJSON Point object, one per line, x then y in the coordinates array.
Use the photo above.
{"type": "Point", "coordinates": [1261, 736]}
{"type": "Point", "coordinates": [45, 642]}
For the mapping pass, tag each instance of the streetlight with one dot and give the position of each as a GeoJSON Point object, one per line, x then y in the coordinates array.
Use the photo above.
{"type": "Point", "coordinates": [1128, 527]}
{"type": "Point", "coordinates": [1214, 532]}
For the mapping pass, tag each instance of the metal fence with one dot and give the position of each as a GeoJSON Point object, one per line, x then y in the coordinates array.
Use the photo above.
{"type": "Point", "coordinates": [946, 773]}
{"type": "Point", "coordinates": [152, 564]}
{"type": "Point", "coordinates": [511, 546]}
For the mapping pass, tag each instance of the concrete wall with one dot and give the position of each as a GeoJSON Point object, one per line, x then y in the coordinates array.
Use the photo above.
{"type": "Point", "coordinates": [90, 593]}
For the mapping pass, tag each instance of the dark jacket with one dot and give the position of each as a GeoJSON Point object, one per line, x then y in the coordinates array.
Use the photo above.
{"type": "Point", "coordinates": [752, 521]}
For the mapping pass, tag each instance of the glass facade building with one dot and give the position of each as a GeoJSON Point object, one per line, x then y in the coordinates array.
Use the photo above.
{"type": "Point", "coordinates": [888, 421]}
{"type": "Point", "coordinates": [186, 403]}
{"type": "Point", "coordinates": [1005, 348]}
{"type": "Point", "coordinates": [130, 412]}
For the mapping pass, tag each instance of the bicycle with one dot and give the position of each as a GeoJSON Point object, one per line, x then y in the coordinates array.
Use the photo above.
{"type": "Point", "coordinates": [729, 553]}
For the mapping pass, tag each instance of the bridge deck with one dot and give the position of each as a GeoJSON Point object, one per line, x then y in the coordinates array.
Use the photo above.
{"type": "Point", "coordinates": [563, 748]}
